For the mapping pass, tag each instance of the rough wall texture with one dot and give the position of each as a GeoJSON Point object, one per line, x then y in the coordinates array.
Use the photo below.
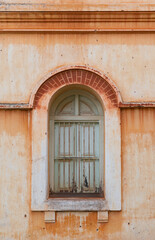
{"type": "Point", "coordinates": [27, 57]}
{"type": "Point", "coordinates": [74, 5]}
{"type": "Point", "coordinates": [136, 220]}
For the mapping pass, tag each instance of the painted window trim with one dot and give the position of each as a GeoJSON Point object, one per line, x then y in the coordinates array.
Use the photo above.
{"type": "Point", "coordinates": [40, 189]}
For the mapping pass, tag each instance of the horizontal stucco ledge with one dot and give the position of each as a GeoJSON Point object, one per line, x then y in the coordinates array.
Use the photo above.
{"type": "Point", "coordinates": [27, 106]}
{"type": "Point", "coordinates": [24, 106]}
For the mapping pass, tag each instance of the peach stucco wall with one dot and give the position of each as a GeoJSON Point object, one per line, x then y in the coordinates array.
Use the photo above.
{"type": "Point", "coordinates": [135, 221]}
{"type": "Point", "coordinates": [127, 59]}
{"type": "Point", "coordinates": [77, 5]}
{"type": "Point", "coordinates": [125, 53]}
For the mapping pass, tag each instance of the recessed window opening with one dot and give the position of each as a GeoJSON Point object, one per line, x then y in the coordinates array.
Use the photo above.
{"type": "Point", "coordinates": [76, 145]}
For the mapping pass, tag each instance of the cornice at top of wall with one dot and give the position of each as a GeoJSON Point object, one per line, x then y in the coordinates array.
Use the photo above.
{"type": "Point", "coordinates": [75, 21]}
{"type": "Point", "coordinates": [94, 16]}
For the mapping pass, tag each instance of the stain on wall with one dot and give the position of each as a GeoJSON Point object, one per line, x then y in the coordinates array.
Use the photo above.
{"type": "Point", "coordinates": [136, 220]}
{"type": "Point", "coordinates": [27, 57]}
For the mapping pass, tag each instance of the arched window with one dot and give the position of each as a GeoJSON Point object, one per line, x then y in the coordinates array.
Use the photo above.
{"type": "Point", "coordinates": [76, 145]}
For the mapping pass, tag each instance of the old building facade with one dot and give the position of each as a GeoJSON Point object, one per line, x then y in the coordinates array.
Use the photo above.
{"type": "Point", "coordinates": [77, 120]}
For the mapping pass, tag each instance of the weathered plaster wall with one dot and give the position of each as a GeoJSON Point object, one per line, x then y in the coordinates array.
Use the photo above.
{"type": "Point", "coordinates": [136, 220]}
{"type": "Point", "coordinates": [14, 173]}
{"type": "Point", "coordinates": [127, 59]}
{"type": "Point", "coordinates": [78, 5]}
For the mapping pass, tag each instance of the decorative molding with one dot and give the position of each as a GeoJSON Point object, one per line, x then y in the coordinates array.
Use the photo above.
{"type": "Point", "coordinates": [49, 217]}
{"type": "Point", "coordinates": [24, 106]}
{"type": "Point", "coordinates": [102, 216]}
{"type": "Point", "coordinates": [136, 104]}
{"type": "Point", "coordinates": [75, 21]}
{"type": "Point", "coordinates": [27, 106]}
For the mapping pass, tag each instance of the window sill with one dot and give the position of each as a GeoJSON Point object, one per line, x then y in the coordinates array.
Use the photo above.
{"type": "Point", "coordinates": [60, 205]}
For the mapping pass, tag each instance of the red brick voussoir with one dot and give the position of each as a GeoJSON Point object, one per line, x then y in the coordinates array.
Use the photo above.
{"type": "Point", "coordinates": [78, 76]}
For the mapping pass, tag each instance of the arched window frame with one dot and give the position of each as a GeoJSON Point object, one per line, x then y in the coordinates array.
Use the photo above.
{"type": "Point", "coordinates": [40, 171]}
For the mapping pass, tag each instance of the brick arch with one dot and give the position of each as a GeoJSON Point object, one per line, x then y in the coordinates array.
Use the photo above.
{"type": "Point", "coordinates": [99, 83]}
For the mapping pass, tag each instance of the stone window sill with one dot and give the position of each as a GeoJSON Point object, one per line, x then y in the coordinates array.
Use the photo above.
{"type": "Point", "coordinates": [72, 205]}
